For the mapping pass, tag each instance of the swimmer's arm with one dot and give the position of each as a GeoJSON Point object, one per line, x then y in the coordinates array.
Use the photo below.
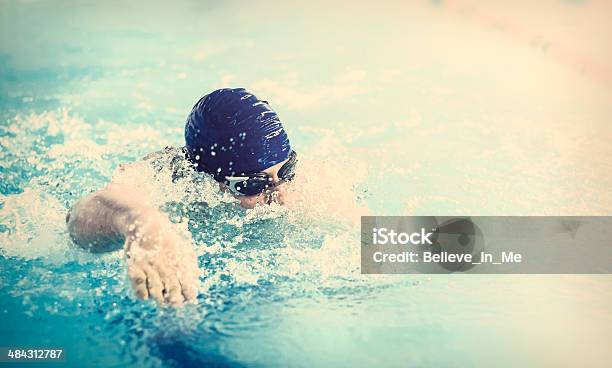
{"type": "Point", "coordinates": [101, 221]}
{"type": "Point", "coordinates": [162, 265]}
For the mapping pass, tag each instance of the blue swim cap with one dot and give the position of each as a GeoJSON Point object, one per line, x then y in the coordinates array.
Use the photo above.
{"type": "Point", "coordinates": [230, 131]}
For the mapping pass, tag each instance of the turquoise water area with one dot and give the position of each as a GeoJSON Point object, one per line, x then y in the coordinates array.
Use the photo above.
{"type": "Point", "coordinates": [426, 109]}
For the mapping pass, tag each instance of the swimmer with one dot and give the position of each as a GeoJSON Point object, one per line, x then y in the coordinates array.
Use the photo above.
{"type": "Point", "coordinates": [230, 135]}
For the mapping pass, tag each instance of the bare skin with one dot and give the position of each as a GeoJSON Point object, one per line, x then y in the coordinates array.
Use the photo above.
{"type": "Point", "coordinates": [162, 264]}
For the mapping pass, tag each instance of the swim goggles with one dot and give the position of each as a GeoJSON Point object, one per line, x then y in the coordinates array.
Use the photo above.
{"type": "Point", "coordinates": [256, 183]}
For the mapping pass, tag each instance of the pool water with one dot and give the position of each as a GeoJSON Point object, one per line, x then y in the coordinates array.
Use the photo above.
{"type": "Point", "coordinates": [400, 109]}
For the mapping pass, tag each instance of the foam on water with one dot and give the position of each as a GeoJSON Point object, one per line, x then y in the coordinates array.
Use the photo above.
{"type": "Point", "coordinates": [32, 226]}
{"type": "Point", "coordinates": [70, 158]}
{"type": "Point", "coordinates": [265, 256]}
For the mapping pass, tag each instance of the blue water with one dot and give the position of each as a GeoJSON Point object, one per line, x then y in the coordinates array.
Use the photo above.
{"type": "Point", "coordinates": [393, 109]}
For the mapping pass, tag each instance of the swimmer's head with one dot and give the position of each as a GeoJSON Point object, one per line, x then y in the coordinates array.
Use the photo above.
{"type": "Point", "coordinates": [231, 132]}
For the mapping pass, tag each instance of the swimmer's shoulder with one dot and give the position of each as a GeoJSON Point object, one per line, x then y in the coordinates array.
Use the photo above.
{"type": "Point", "coordinates": [172, 158]}
{"type": "Point", "coordinates": [169, 153]}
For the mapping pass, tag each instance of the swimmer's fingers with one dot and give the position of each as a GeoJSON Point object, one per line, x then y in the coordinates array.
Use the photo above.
{"type": "Point", "coordinates": [139, 281]}
{"type": "Point", "coordinates": [172, 287]}
{"type": "Point", "coordinates": [189, 290]}
{"type": "Point", "coordinates": [186, 270]}
{"type": "Point", "coordinates": [189, 276]}
{"type": "Point", "coordinates": [154, 283]}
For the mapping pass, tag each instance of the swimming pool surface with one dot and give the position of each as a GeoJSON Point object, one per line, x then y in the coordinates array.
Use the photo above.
{"type": "Point", "coordinates": [435, 108]}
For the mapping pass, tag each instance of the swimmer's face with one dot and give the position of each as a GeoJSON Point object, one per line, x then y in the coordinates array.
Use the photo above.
{"type": "Point", "coordinates": [276, 194]}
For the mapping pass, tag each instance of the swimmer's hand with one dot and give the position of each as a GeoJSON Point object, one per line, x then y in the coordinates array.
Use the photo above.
{"type": "Point", "coordinates": [162, 264]}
